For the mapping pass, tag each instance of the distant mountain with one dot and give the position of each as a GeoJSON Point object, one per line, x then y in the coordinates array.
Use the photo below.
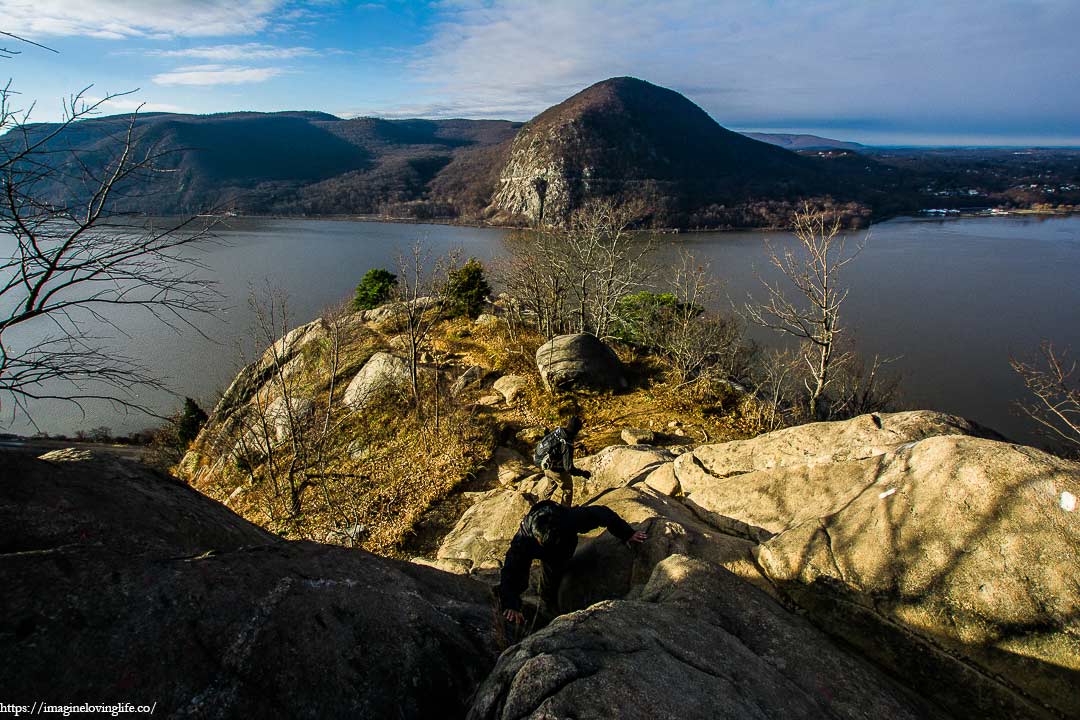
{"type": "Point", "coordinates": [630, 138]}
{"type": "Point", "coordinates": [622, 137]}
{"type": "Point", "coordinates": [295, 162]}
{"type": "Point", "coordinates": [804, 142]}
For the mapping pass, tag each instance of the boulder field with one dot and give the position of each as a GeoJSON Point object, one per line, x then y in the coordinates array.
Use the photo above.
{"type": "Point", "coordinates": [906, 565]}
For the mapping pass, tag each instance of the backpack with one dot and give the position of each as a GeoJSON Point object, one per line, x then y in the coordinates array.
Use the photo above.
{"type": "Point", "coordinates": [548, 454]}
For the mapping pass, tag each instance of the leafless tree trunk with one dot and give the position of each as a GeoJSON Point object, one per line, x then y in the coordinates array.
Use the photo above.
{"type": "Point", "coordinates": [698, 340]}
{"type": "Point", "coordinates": [78, 261]}
{"type": "Point", "coordinates": [570, 278]}
{"type": "Point", "coordinates": [607, 259]}
{"type": "Point", "coordinates": [864, 387]}
{"type": "Point", "coordinates": [1052, 378]}
{"type": "Point", "coordinates": [814, 316]}
{"type": "Point", "coordinates": [284, 431]}
{"type": "Point", "coordinates": [420, 293]}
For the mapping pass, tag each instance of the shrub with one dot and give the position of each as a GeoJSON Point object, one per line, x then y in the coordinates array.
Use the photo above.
{"type": "Point", "coordinates": [467, 290]}
{"type": "Point", "coordinates": [645, 318]}
{"type": "Point", "coordinates": [374, 289]}
{"type": "Point", "coordinates": [189, 423]}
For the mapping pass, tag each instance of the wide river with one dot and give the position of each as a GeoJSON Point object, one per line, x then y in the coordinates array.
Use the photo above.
{"type": "Point", "coordinates": [952, 299]}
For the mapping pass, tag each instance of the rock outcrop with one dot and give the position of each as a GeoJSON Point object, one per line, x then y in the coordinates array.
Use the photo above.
{"type": "Point", "coordinates": [905, 565]}
{"type": "Point", "coordinates": [121, 584]}
{"type": "Point", "coordinates": [699, 643]}
{"type": "Point", "coordinates": [617, 466]}
{"type": "Point", "coordinates": [945, 556]}
{"type": "Point", "coordinates": [382, 374]}
{"type": "Point", "coordinates": [511, 387]}
{"type": "Point", "coordinates": [580, 361]}
{"type": "Point", "coordinates": [952, 561]}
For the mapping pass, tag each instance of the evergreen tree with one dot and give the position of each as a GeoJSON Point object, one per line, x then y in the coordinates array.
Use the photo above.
{"type": "Point", "coordinates": [374, 289]}
{"type": "Point", "coordinates": [189, 423]}
{"type": "Point", "coordinates": [468, 290]}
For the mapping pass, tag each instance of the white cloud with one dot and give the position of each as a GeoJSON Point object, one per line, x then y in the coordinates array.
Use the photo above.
{"type": "Point", "coordinates": [216, 75]}
{"type": "Point", "coordinates": [880, 63]}
{"type": "Point", "coordinates": [117, 19]}
{"type": "Point", "coordinates": [245, 51]}
{"type": "Point", "coordinates": [128, 104]}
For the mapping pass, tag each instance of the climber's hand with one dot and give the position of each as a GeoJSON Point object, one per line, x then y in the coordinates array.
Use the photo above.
{"type": "Point", "coordinates": [514, 616]}
{"type": "Point", "coordinates": [637, 538]}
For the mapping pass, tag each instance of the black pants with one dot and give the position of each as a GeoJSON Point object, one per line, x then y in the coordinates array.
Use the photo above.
{"type": "Point", "coordinates": [551, 575]}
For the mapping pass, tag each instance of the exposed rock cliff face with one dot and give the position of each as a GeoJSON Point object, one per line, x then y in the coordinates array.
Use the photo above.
{"type": "Point", "coordinates": [628, 137]}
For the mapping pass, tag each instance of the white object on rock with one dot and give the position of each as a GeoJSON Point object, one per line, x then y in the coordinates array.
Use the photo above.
{"type": "Point", "coordinates": [1068, 501]}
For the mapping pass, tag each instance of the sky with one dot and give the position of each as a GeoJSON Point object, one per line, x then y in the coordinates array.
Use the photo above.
{"type": "Point", "coordinates": [884, 72]}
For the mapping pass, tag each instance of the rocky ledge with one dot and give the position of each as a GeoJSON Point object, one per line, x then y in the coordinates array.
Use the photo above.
{"type": "Point", "coordinates": [908, 565]}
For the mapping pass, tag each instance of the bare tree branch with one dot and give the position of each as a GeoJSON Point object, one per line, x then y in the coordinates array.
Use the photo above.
{"type": "Point", "coordinates": [73, 257]}
{"type": "Point", "coordinates": [813, 316]}
{"type": "Point", "coordinates": [1053, 379]}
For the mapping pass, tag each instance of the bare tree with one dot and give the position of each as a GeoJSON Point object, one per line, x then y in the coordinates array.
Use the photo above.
{"type": "Point", "coordinates": [865, 386]}
{"type": "Point", "coordinates": [813, 317]}
{"type": "Point", "coordinates": [536, 278]}
{"type": "Point", "coordinates": [73, 259]}
{"type": "Point", "coordinates": [570, 278]}
{"type": "Point", "coordinates": [418, 299]}
{"type": "Point", "coordinates": [1052, 378]}
{"type": "Point", "coordinates": [285, 435]}
{"type": "Point", "coordinates": [699, 340]}
{"type": "Point", "coordinates": [682, 324]}
{"type": "Point", "coordinates": [772, 388]}
{"type": "Point", "coordinates": [605, 259]}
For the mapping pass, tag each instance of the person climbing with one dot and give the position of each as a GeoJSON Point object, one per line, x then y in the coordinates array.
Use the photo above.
{"type": "Point", "coordinates": [555, 456]}
{"type": "Point", "coordinates": [549, 533]}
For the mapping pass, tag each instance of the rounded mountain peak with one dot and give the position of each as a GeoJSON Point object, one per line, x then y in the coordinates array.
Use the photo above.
{"type": "Point", "coordinates": [625, 96]}
{"type": "Point", "coordinates": [628, 138]}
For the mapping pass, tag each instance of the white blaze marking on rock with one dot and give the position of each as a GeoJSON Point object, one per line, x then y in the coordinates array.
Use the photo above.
{"type": "Point", "coordinates": [886, 494]}
{"type": "Point", "coordinates": [1068, 501]}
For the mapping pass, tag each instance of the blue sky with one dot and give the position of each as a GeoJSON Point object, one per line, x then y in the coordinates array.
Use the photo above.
{"type": "Point", "coordinates": [876, 71]}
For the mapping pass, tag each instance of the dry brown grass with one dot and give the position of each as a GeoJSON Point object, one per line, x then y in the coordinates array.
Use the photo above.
{"type": "Point", "coordinates": [399, 479]}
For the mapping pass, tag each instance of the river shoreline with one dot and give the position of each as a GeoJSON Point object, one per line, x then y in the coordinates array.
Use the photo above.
{"type": "Point", "coordinates": [446, 222]}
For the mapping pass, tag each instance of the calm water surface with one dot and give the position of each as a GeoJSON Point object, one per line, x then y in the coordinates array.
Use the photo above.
{"type": "Point", "coordinates": [953, 299]}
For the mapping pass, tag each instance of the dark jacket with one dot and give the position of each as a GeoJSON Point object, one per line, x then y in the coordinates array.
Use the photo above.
{"type": "Point", "coordinates": [525, 548]}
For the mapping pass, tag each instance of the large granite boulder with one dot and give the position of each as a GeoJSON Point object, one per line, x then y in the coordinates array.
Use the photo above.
{"type": "Point", "coordinates": [952, 560]}
{"type": "Point", "coordinates": [616, 466]}
{"type": "Point", "coordinates": [482, 535]}
{"type": "Point", "coordinates": [283, 415]}
{"type": "Point", "coordinates": [603, 568]}
{"type": "Point", "coordinates": [573, 362]}
{"type": "Point", "coordinates": [382, 374]}
{"type": "Point", "coordinates": [699, 643]}
{"type": "Point", "coordinates": [511, 387]}
{"type": "Point", "coordinates": [124, 585]}
{"type": "Point", "coordinates": [742, 486]}
{"type": "Point", "coordinates": [943, 554]}
{"type": "Point", "coordinates": [817, 444]}
{"type": "Point", "coordinates": [506, 466]}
